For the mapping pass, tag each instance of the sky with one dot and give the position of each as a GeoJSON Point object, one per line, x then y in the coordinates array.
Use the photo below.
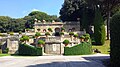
{"type": "Point", "coordinates": [21, 8]}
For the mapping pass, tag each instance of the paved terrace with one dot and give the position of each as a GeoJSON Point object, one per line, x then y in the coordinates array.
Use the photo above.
{"type": "Point", "coordinates": [54, 61]}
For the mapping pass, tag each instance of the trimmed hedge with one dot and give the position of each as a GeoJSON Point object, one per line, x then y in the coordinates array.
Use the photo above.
{"type": "Point", "coordinates": [115, 40]}
{"type": "Point", "coordinates": [99, 28]}
{"type": "Point", "coordinates": [81, 49]}
{"type": "Point", "coordinates": [27, 50]}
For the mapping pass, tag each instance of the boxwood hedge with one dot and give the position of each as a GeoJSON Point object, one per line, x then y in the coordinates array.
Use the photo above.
{"type": "Point", "coordinates": [115, 40]}
{"type": "Point", "coordinates": [27, 50]}
{"type": "Point", "coordinates": [80, 49]}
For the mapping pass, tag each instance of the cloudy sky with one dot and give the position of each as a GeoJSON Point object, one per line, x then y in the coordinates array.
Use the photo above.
{"type": "Point", "coordinates": [21, 8]}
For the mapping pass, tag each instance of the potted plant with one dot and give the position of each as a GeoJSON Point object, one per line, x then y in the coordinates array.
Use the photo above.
{"type": "Point", "coordinates": [62, 29]}
{"type": "Point", "coordinates": [11, 33]}
{"type": "Point", "coordinates": [61, 33]}
{"type": "Point", "coordinates": [82, 38]}
{"type": "Point", "coordinates": [27, 29]}
{"type": "Point", "coordinates": [75, 35]}
{"type": "Point", "coordinates": [66, 42]}
{"type": "Point", "coordinates": [87, 39]}
{"type": "Point", "coordinates": [24, 38]}
{"type": "Point", "coordinates": [20, 32]}
{"type": "Point", "coordinates": [71, 34]}
{"type": "Point", "coordinates": [49, 29]}
{"type": "Point", "coordinates": [41, 43]}
{"type": "Point", "coordinates": [47, 33]}
{"type": "Point", "coordinates": [37, 34]}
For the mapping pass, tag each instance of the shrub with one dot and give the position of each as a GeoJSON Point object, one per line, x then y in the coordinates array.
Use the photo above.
{"type": "Point", "coordinates": [62, 28]}
{"type": "Point", "coordinates": [41, 42]}
{"type": "Point", "coordinates": [20, 32]}
{"type": "Point", "coordinates": [27, 50]}
{"type": "Point", "coordinates": [49, 29]}
{"type": "Point", "coordinates": [75, 35]}
{"type": "Point", "coordinates": [115, 40]}
{"type": "Point", "coordinates": [24, 38]}
{"type": "Point", "coordinates": [99, 28]}
{"type": "Point", "coordinates": [71, 33]}
{"type": "Point", "coordinates": [47, 33]}
{"type": "Point", "coordinates": [27, 29]}
{"type": "Point", "coordinates": [37, 34]}
{"type": "Point", "coordinates": [81, 49]}
{"type": "Point", "coordinates": [11, 33]}
{"type": "Point", "coordinates": [86, 35]}
{"type": "Point", "coordinates": [61, 33]}
{"type": "Point", "coordinates": [82, 37]}
{"type": "Point", "coordinates": [66, 42]}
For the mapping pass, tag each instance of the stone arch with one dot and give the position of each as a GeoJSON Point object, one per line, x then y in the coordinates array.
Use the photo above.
{"type": "Point", "coordinates": [57, 31]}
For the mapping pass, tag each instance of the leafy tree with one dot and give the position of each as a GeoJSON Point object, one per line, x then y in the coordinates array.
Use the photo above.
{"type": "Point", "coordinates": [70, 10]}
{"type": "Point", "coordinates": [77, 10]}
{"type": "Point", "coordinates": [40, 16]}
{"type": "Point", "coordinates": [8, 24]}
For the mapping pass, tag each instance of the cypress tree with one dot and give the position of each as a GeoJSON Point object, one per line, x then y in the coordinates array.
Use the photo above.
{"type": "Point", "coordinates": [99, 28]}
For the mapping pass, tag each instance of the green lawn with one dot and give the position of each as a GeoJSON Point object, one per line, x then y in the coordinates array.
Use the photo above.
{"type": "Point", "coordinates": [104, 48]}
{"type": "Point", "coordinates": [4, 55]}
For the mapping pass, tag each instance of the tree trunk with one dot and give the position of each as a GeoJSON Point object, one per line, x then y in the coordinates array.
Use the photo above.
{"type": "Point", "coordinates": [108, 25]}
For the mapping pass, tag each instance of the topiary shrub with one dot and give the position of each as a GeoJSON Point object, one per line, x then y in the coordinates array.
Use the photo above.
{"type": "Point", "coordinates": [99, 28]}
{"type": "Point", "coordinates": [62, 29]}
{"type": "Point", "coordinates": [24, 38]}
{"type": "Point", "coordinates": [49, 29]}
{"type": "Point", "coordinates": [37, 34]}
{"type": "Point", "coordinates": [20, 32]}
{"type": "Point", "coordinates": [47, 33]}
{"type": "Point", "coordinates": [66, 42]}
{"type": "Point", "coordinates": [41, 43]}
{"type": "Point", "coordinates": [61, 33]}
{"type": "Point", "coordinates": [81, 49]}
{"type": "Point", "coordinates": [115, 40]}
{"type": "Point", "coordinates": [71, 33]}
{"type": "Point", "coordinates": [11, 33]}
{"type": "Point", "coordinates": [27, 50]}
{"type": "Point", "coordinates": [75, 35]}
